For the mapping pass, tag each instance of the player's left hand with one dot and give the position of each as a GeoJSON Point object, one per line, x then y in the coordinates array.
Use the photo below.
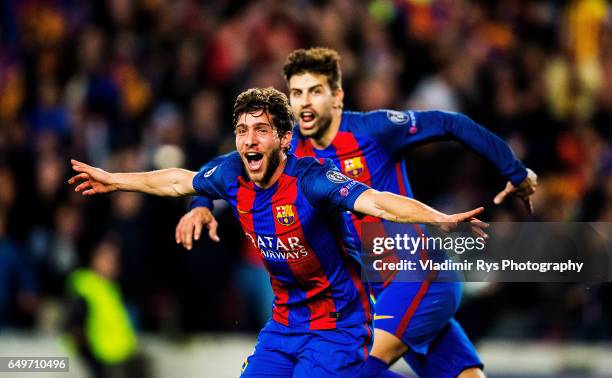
{"type": "Point", "coordinates": [94, 180]}
{"type": "Point", "coordinates": [523, 191]}
{"type": "Point", "coordinates": [191, 224]}
{"type": "Point", "coordinates": [476, 226]}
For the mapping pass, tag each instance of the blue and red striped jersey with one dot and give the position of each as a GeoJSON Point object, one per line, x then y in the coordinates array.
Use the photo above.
{"type": "Point", "coordinates": [298, 228]}
{"type": "Point", "coordinates": [369, 148]}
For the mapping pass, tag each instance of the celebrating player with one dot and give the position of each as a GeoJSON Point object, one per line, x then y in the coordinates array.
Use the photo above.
{"type": "Point", "coordinates": [413, 320]}
{"type": "Point", "coordinates": [291, 210]}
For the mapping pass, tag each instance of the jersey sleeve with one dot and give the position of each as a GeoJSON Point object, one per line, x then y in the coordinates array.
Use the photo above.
{"type": "Point", "coordinates": [398, 130]}
{"type": "Point", "coordinates": [211, 181]}
{"type": "Point", "coordinates": [204, 201]}
{"type": "Point", "coordinates": [326, 188]}
{"type": "Point", "coordinates": [201, 201]}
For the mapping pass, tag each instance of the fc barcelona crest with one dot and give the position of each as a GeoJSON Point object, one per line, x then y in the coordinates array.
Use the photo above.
{"type": "Point", "coordinates": [353, 167]}
{"type": "Point", "coordinates": [285, 214]}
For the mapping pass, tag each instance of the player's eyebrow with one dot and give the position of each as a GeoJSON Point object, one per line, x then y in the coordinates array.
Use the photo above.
{"type": "Point", "coordinates": [254, 124]}
{"type": "Point", "coordinates": [307, 89]}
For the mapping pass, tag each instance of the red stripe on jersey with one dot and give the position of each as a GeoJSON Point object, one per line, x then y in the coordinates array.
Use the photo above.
{"type": "Point", "coordinates": [245, 199]}
{"type": "Point", "coordinates": [363, 293]}
{"type": "Point", "coordinates": [400, 179]}
{"type": "Point", "coordinates": [348, 149]}
{"type": "Point", "coordinates": [304, 148]}
{"type": "Point", "coordinates": [280, 312]}
{"type": "Point", "coordinates": [357, 223]}
{"type": "Point", "coordinates": [401, 328]}
{"type": "Point", "coordinates": [367, 341]}
{"type": "Point", "coordinates": [423, 256]}
{"type": "Point", "coordinates": [308, 270]}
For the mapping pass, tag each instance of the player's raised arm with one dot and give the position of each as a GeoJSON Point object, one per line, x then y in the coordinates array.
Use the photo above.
{"type": "Point", "coordinates": [400, 209]}
{"type": "Point", "coordinates": [521, 181]}
{"type": "Point", "coordinates": [172, 182]}
{"type": "Point", "coordinates": [399, 130]}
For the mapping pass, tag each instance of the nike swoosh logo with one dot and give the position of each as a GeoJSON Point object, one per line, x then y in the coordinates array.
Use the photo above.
{"type": "Point", "coordinates": [380, 317]}
{"type": "Point", "coordinates": [242, 211]}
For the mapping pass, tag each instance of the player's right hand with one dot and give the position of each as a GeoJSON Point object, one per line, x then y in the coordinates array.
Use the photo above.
{"type": "Point", "coordinates": [189, 228]}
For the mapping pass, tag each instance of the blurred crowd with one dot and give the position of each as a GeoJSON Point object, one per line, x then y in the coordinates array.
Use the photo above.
{"type": "Point", "coordinates": [130, 85]}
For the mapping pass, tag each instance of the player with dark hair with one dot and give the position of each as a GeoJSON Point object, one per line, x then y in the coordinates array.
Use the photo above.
{"type": "Point", "coordinates": [413, 320]}
{"type": "Point", "coordinates": [291, 210]}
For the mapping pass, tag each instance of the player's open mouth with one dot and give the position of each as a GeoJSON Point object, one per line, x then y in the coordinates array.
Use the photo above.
{"type": "Point", "coordinates": [254, 160]}
{"type": "Point", "coordinates": [307, 118]}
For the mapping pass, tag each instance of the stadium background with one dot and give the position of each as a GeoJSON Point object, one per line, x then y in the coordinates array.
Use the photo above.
{"type": "Point", "coordinates": [146, 84]}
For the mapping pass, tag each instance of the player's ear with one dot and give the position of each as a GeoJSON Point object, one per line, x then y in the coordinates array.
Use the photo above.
{"type": "Point", "coordinates": [338, 98]}
{"type": "Point", "coordinates": [286, 140]}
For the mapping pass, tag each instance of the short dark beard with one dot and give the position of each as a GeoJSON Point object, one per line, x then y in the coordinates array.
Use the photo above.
{"type": "Point", "coordinates": [274, 163]}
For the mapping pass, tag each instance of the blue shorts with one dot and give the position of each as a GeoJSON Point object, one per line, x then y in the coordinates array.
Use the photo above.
{"type": "Point", "coordinates": [282, 351]}
{"type": "Point", "coordinates": [421, 315]}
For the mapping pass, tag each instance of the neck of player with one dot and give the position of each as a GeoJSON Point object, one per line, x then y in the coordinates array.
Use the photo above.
{"type": "Point", "coordinates": [327, 137]}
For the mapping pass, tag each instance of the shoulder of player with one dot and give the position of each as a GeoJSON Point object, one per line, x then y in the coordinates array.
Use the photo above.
{"type": "Point", "coordinates": [314, 176]}
{"type": "Point", "coordinates": [309, 170]}
{"type": "Point", "coordinates": [230, 160]}
{"type": "Point", "coordinates": [305, 165]}
{"type": "Point", "coordinates": [223, 166]}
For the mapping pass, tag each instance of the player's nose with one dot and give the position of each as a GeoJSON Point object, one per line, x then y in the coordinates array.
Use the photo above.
{"type": "Point", "coordinates": [250, 138]}
{"type": "Point", "coordinates": [306, 100]}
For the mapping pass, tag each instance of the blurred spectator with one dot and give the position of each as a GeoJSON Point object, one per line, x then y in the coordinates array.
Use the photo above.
{"type": "Point", "coordinates": [97, 320]}
{"type": "Point", "coordinates": [205, 129]}
{"type": "Point", "coordinates": [18, 289]}
{"type": "Point", "coordinates": [49, 114]}
{"type": "Point", "coordinates": [126, 224]}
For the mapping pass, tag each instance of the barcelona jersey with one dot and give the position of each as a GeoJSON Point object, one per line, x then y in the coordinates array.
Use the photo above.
{"type": "Point", "coordinates": [298, 229]}
{"type": "Point", "coordinates": [369, 146]}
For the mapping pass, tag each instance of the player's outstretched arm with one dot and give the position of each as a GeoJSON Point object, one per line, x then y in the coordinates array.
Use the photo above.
{"type": "Point", "coordinates": [434, 124]}
{"type": "Point", "coordinates": [172, 182]}
{"type": "Point", "coordinates": [400, 209]}
{"type": "Point", "coordinates": [524, 190]}
{"type": "Point", "coordinates": [191, 224]}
